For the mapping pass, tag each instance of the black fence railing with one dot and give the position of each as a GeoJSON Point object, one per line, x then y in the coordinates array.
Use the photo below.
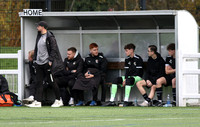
{"type": "Point", "coordinates": [55, 5]}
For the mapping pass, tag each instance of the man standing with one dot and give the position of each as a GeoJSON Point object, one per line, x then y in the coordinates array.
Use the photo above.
{"type": "Point", "coordinates": [73, 68]}
{"type": "Point", "coordinates": [170, 69]}
{"type": "Point", "coordinates": [48, 62]}
{"type": "Point", "coordinates": [155, 76]}
{"type": "Point", "coordinates": [133, 75]}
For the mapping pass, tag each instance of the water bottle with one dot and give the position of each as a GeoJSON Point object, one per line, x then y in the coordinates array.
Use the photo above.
{"type": "Point", "coordinates": [168, 104]}
{"type": "Point", "coordinates": [135, 102]}
{"type": "Point", "coordinates": [168, 99]}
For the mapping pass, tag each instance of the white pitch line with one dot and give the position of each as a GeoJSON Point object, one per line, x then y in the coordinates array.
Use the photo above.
{"type": "Point", "coordinates": [100, 120]}
{"type": "Point", "coordinates": [18, 122]}
{"type": "Point", "coordinates": [131, 119]}
{"type": "Point", "coordinates": [47, 122]}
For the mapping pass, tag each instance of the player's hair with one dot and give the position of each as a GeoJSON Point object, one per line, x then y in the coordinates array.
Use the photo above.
{"type": "Point", "coordinates": [73, 49]}
{"type": "Point", "coordinates": [171, 46]}
{"type": "Point", "coordinates": [153, 48]}
{"type": "Point", "coordinates": [93, 45]}
{"type": "Point", "coordinates": [129, 46]}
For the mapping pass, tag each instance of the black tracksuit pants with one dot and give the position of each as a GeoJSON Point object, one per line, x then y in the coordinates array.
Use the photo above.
{"type": "Point", "coordinates": [64, 82]}
{"type": "Point", "coordinates": [42, 72]}
{"type": "Point", "coordinates": [32, 88]}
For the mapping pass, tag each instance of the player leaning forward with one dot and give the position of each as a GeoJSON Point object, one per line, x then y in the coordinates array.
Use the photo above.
{"type": "Point", "coordinates": [134, 72]}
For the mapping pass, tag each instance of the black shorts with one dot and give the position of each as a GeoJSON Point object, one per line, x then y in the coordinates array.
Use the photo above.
{"type": "Point", "coordinates": [153, 83]}
{"type": "Point", "coordinates": [169, 79]}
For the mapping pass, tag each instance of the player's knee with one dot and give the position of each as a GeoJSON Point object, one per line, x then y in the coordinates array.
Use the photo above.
{"type": "Point", "coordinates": [174, 81]}
{"type": "Point", "coordinates": [117, 80]}
{"type": "Point", "coordinates": [141, 83]}
{"type": "Point", "coordinates": [138, 84]}
{"type": "Point", "coordinates": [158, 81]}
{"type": "Point", "coordinates": [161, 81]}
{"type": "Point", "coordinates": [130, 81]}
{"type": "Point", "coordinates": [153, 87]}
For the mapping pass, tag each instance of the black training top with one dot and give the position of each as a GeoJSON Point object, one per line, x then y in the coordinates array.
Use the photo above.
{"type": "Point", "coordinates": [170, 61]}
{"type": "Point", "coordinates": [134, 66]}
{"type": "Point", "coordinates": [99, 62]}
{"type": "Point", "coordinates": [155, 68]}
{"type": "Point", "coordinates": [74, 64]}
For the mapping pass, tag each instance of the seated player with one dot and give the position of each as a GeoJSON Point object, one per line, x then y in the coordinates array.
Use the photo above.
{"type": "Point", "coordinates": [170, 69]}
{"type": "Point", "coordinates": [73, 68]}
{"type": "Point", "coordinates": [95, 67]}
{"type": "Point", "coordinates": [32, 79]}
{"type": "Point", "coordinates": [133, 76]}
{"type": "Point", "coordinates": [155, 76]}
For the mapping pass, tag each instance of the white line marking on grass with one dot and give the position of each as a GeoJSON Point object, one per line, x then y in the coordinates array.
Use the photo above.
{"type": "Point", "coordinates": [86, 120]}
{"type": "Point", "coordinates": [159, 119]}
{"type": "Point", "coordinates": [100, 120]}
{"type": "Point", "coordinates": [19, 122]}
{"type": "Point", "coordinates": [136, 119]}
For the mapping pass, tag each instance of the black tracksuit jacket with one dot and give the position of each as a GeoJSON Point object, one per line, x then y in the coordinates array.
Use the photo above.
{"type": "Point", "coordinates": [99, 62]}
{"type": "Point", "coordinates": [155, 68]}
{"type": "Point", "coordinates": [74, 64]}
{"type": "Point", "coordinates": [53, 51]}
{"type": "Point", "coordinates": [134, 66]}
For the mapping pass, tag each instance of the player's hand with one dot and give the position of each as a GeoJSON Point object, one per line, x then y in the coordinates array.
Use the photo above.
{"type": "Point", "coordinates": [50, 63]}
{"type": "Point", "coordinates": [86, 74]}
{"type": "Point", "coordinates": [90, 76]}
{"type": "Point", "coordinates": [124, 83]}
{"type": "Point", "coordinates": [149, 84]}
{"type": "Point", "coordinates": [73, 71]}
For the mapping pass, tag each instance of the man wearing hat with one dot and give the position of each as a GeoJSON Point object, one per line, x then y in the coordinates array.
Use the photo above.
{"type": "Point", "coordinates": [48, 62]}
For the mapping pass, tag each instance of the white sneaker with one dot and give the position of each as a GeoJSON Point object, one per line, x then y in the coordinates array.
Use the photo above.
{"type": "Point", "coordinates": [57, 103]}
{"type": "Point", "coordinates": [71, 101]}
{"type": "Point", "coordinates": [30, 99]}
{"type": "Point", "coordinates": [35, 104]}
{"type": "Point", "coordinates": [144, 104]}
{"type": "Point", "coordinates": [61, 102]}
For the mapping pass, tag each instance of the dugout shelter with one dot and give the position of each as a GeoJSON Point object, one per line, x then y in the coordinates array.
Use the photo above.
{"type": "Point", "coordinates": [112, 30]}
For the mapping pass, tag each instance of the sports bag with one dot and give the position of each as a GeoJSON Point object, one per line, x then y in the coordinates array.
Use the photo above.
{"type": "Point", "coordinates": [5, 100]}
{"type": "Point", "coordinates": [3, 85]}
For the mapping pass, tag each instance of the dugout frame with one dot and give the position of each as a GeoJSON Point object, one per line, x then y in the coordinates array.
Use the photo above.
{"type": "Point", "coordinates": [121, 26]}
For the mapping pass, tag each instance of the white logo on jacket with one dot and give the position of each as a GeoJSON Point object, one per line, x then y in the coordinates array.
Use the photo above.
{"type": "Point", "coordinates": [170, 61]}
{"type": "Point", "coordinates": [134, 63]}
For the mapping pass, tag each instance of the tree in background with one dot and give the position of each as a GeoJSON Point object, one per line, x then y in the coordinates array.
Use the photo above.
{"type": "Point", "coordinates": [92, 5]}
{"type": "Point", "coordinates": [193, 6]}
{"type": "Point", "coordinates": [10, 22]}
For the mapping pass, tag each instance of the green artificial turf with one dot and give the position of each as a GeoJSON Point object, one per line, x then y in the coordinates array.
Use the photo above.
{"type": "Point", "coordinates": [100, 116]}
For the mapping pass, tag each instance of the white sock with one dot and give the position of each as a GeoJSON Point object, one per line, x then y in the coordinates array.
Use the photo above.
{"type": "Point", "coordinates": [112, 99]}
{"type": "Point", "coordinates": [126, 99]}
